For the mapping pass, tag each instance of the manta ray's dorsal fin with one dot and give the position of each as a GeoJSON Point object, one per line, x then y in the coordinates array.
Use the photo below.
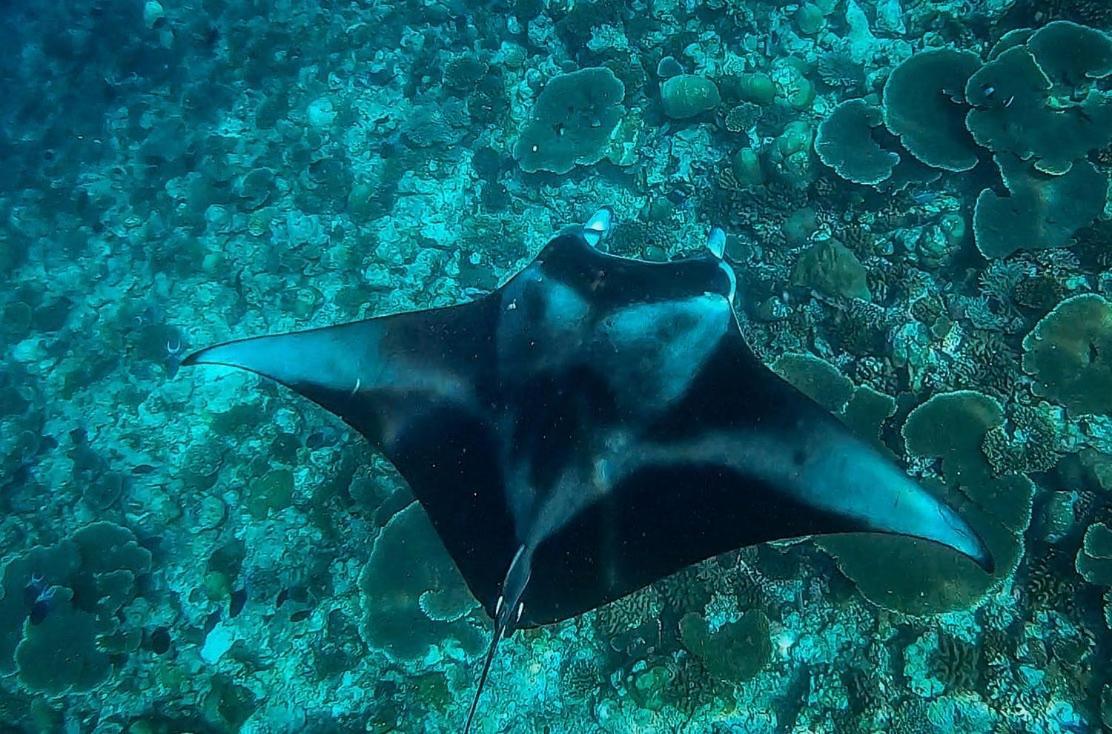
{"type": "Point", "coordinates": [507, 614]}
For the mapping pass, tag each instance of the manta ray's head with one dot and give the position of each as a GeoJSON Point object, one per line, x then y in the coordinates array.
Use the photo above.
{"type": "Point", "coordinates": [577, 257]}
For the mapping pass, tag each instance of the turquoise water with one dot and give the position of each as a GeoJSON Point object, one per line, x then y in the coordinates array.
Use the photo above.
{"type": "Point", "coordinates": [915, 195]}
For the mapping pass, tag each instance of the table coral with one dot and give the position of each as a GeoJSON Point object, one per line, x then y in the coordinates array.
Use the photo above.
{"type": "Point", "coordinates": [571, 121]}
{"type": "Point", "coordinates": [1041, 211]}
{"type": "Point", "coordinates": [1019, 108]}
{"type": "Point", "coordinates": [59, 600]}
{"type": "Point", "coordinates": [407, 563]}
{"type": "Point", "coordinates": [933, 579]}
{"type": "Point", "coordinates": [924, 105]}
{"type": "Point", "coordinates": [1068, 353]}
{"type": "Point", "coordinates": [845, 141]}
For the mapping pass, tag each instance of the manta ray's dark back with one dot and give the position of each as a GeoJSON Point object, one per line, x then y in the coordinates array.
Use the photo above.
{"type": "Point", "coordinates": [595, 424]}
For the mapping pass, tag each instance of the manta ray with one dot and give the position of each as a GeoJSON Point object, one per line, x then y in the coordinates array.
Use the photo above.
{"type": "Point", "coordinates": [593, 425]}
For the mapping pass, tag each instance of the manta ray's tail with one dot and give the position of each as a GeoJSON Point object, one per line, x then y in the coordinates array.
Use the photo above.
{"type": "Point", "coordinates": [499, 630]}
{"type": "Point", "coordinates": [507, 614]}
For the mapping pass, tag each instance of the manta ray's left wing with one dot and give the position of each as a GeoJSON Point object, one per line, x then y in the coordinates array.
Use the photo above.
{"type": "Point", "coordinates": [418, 385]}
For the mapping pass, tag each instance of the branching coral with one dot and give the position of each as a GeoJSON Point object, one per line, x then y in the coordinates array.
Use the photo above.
{"type": "Point", "coordinates": [839, 69]}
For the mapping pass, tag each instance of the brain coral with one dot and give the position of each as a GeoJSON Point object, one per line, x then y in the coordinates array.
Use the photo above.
{"type": "Point", "coordinates": [571, 122]}
{"type": "Point", "coordinates": [1069, 354]}
{"type": "Point", "coordinates": [924, 105]}
{"type": "Point", "coordinates": [688, 95]}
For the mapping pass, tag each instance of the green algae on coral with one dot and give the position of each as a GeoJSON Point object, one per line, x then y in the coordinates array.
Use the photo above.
{"type": "Point", "coordinates": [571, 122]}
{"type": "Point", "coordinates": [734, 652]}
{"type": "Point", "coordinates": [924, 105]}
{"type": "Point", "coordinates": [1041, 211]}
{"type": "Point", "coordinates": [1068, 354]}
{"type": "Point", "coordinates": [832, 269]}
{"type": "Point", "coordinates": [846, 143]}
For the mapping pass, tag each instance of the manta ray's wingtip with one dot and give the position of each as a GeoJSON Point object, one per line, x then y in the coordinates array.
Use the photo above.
{"type": "Point", "coordinates": [975, 547]}
{"type": "Point", "coordinates": [216, 354]}
{"type": "Point", "coordinates": [194, 358]}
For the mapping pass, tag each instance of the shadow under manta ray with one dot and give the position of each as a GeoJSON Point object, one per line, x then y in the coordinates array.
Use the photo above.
{"type": "Point", "coordinates": [594, 425]}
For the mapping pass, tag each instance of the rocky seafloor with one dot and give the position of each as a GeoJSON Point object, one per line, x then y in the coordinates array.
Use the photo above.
{"type": "Point", "coordinates": [916, 195]}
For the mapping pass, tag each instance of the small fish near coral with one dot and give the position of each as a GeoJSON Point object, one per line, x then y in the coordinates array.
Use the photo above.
{"type": "Point", "coordinates": [595, 424]}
